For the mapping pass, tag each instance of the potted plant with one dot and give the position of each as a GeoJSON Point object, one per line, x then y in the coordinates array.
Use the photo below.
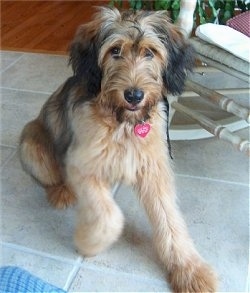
{"type": "Point", "coordinates": [206, 10]}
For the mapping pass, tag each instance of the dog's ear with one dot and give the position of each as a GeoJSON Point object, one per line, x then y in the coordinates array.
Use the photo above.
{"type": "Point", "coordinates": [180, 60]}
{"type": "Point", "coordinates": [180, 55]}
{"type": "Point", "coordinates": [84, 56]}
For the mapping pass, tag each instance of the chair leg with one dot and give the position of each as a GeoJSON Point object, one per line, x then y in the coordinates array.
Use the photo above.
{"type": "Point", "coordinates": [172, 110]}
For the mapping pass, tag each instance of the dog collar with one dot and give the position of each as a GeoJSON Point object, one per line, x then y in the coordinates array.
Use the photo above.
{"type": "Point", "coordinates": [142, 129]}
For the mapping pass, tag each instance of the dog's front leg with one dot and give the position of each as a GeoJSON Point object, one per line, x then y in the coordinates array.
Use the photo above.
{"type": "Point", "coordinates": [99, 219]}
{"type": "Point", "coordinates": [187, 272]}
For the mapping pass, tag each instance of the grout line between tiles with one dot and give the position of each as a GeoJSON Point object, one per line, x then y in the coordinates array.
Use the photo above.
{"type": "Point", "coordinates": [73, 273]}
{"type": "Point", "coordinates": [115, 272]}
{"type": "Point", "coordinates": [46, 54]}
{"type": "Point", "coordinates": [112, 271]}
{"type": "Point", "coordinates": [13, 153]}
{"type": "Point", "coordinates": [8, 146]}
{"type": "Point", "coordinates": [115, 189]}
{"type": "Point", "coordinates": [212, 179]}
{"type": "Point", "coordinates": [26, 90]}
{"type": "Point", "coordinates": [78, 264]}
{"type": "Point", "coordinates": [12, 63]}
{"type": "Point", "coordinates": [37, 252]}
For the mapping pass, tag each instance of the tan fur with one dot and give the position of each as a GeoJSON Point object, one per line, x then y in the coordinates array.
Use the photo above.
{"type": "Point", "coordinates": [60, 196]}
{"type": "Point", "coordinates": [37, 154]}
{"type": "Point", "coordinates": [83, 140]}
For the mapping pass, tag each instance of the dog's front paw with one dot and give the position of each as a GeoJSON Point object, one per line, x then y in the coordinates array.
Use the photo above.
{"type": "Point", "coordinates": [193, 278]}
{"type": "Point", "coordinates": [98, 232]}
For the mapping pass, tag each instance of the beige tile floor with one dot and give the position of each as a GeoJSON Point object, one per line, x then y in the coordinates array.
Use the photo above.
{"type": "Point", "coordinates": [212, 183]}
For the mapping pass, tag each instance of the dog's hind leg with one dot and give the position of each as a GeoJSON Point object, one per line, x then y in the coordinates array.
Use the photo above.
{"type": "Point", "coordinates": [36, 154]}
{"type": "Point", "coordinates": [187, 271]}
{"type": "Point", "coordinates": [38, 159]}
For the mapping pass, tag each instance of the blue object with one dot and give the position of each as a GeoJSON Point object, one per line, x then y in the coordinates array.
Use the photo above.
{"type": "Point", "coordinates": [14, 279]}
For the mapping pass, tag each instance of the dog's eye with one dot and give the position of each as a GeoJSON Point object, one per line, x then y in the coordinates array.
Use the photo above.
{"type": "Point", "coordinates": [116, 52]}
{"type": "Point", "coordinates": [149, 54]}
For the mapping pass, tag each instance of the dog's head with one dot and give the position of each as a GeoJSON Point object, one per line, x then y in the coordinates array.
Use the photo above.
{"type": "Point", "coordinates": [130, 59]}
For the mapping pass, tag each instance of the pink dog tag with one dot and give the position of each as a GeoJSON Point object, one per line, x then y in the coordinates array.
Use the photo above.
{"type": "Point", "coordinates": [142, 129]}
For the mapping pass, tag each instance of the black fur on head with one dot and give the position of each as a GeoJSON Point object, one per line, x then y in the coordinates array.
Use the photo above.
{"type": "Point", "coordinates": [84, 50]}
{"type": "Point", "coordinates": [84, 58]}
{"type": "Point", "coordinates": [181, 57]}
{"type": "Point", "coordinates": [180, 53]}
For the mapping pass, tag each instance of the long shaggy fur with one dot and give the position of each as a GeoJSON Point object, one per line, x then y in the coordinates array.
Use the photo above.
{"type": "Point", "coordinates": [84, 139]}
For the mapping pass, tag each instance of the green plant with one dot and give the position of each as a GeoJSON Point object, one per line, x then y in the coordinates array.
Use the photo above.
{"type": "Point", "coordinates": [206, 10]}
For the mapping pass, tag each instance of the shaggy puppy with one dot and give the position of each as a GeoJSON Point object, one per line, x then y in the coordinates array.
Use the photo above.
{"type": "Point", "coordinates": [107, 124]}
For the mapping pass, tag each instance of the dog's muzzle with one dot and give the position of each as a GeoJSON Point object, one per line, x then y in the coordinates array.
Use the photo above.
{"type": "Point", "coordinates": [133, 96]}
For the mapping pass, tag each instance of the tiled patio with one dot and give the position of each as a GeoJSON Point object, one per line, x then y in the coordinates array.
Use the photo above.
{"type": "Point", "coordinates": [212, 183]}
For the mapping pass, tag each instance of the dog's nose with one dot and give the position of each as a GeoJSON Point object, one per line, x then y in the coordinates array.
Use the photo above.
{"type": "Point", "coordinates": [133, 95]}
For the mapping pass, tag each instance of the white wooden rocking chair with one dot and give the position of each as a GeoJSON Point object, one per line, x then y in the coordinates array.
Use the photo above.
{"type": "Point", "coordinates": [211, 56]}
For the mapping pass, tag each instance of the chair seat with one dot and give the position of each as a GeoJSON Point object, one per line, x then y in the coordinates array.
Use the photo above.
{"type": "Point", "coordinates": [211, 52]}
{"type": "Point", "coordinates": [226, 38]}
